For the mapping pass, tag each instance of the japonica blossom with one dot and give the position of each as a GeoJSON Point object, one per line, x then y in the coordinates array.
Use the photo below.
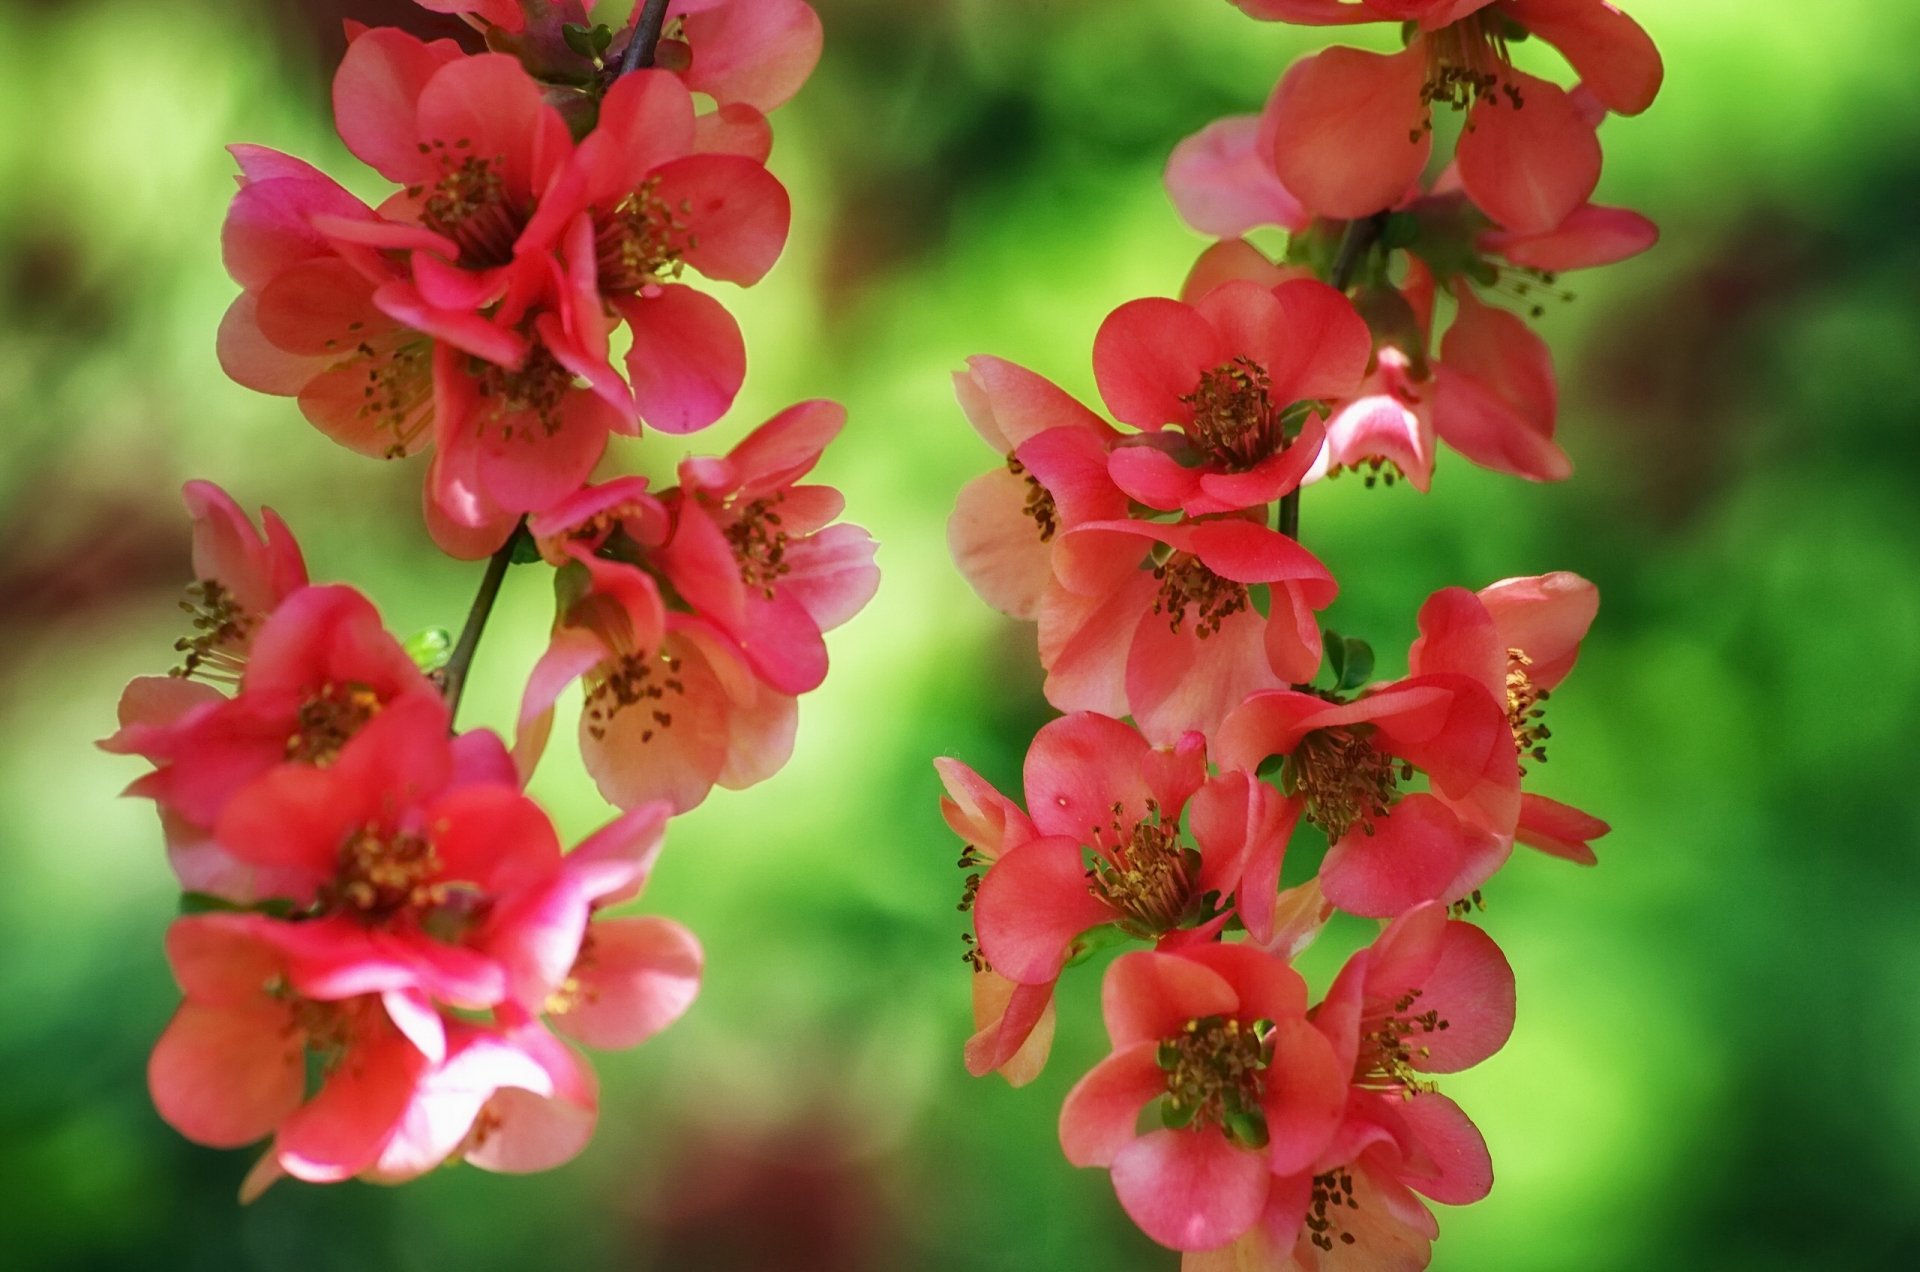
{"type": "Point", "coordinates": [1248, 1092]}
{"type": "Point", "coordinates": [1488, 389]}
{"type": "Point", "coordinates": [473, 310]}
{"type": "Point", "coordinates": [1519, 637]}
{"type": "Point", "coordinates": [695, 617]}
{"type": "Point", "coordinates": [1429, 996]}
{"type": "Point", "coordinates": [1353, 129]}
{"type": "Point", "coordinates": [1345, 764]}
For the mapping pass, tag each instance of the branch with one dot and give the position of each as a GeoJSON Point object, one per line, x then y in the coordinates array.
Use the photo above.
{"type": "Point", "coordinates": [1358, 240]}
{"type": "Point", "coordinates": [453, 678]}
{"type": "Point", "coordinates": [647, 24]}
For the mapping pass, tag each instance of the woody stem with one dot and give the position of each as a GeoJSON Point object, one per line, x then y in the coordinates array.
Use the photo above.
{"type": "Point", "coordinates": [647, 25]}
{"type": "Point", "coordinates": [453, 679]}
{"type": "Point", "coordinates": [1358, 240]}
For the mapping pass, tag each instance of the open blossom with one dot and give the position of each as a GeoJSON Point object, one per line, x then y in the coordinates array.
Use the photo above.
{"type": "Point", "coordinates": [231, 1067]}
{"type": "Point", "coordinates": [1107, 812]}
{"type": "Point", "coordinates": [473, 311]}
{"type": "Point", "coordinates": [1488, 390]}
{"type": "Point", "coordinates": [1429, 996]}
{"type": "Point", "coordinates": [1353, 129]}
{"type": "Point", "coordinates": [1248, 1091]}
{"type": "Point", "coordinates": [1519, 637]}
{"type": "Point", "coordinates": [694, 684]}
{"type": "Point", "coordinates": [753, 550]}
{"type": "Point", "coordinates": [1344, 767]}
{"type": "Point", "coordinates": [320, 668]}
{"type": "Point", "coordinates": [1159, 620]}
{"type": "Point", "coordinates": [741, 53]}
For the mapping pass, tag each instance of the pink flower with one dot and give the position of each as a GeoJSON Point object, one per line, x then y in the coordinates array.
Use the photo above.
{"type": "Point", "coordinates": [1159, 620]}
{"type": "Point", "coordinates": [1248, 1090]}
{"type": "Point", "coordinates": [320, 668]}
{"type": "Point", "coordinates": [1344, 766]}
{"type": "Point", "coordinates": [1013, 1023]}
{"type": "Point", "coordinates": [1106, 847]}
{"type": "Point", "coordinates": [1518, 637]}
{"type": "Point", "coordinates": [410, 876]}
{"type": "Point", "coordinates": [751, 52]}
{"type": "Point", "coordinates": [1238, 374]}
{"type": "Point", "coordinates": [1352, 129]}
{"type": "Point", "coordinates": [672, 707]}
{"type": "Point", "coordinates": [1003, 527]}
{"type": "Point", "coordinates": [643, 198]}
{"type": "Point", "coordinates": [754, 553]}
{"type": "Point", "coordinates": [1490, 393]}
{"type": "Point", "coordinates": [474, 309]}
{"type": "Point", "coordinates": [231, 1067]}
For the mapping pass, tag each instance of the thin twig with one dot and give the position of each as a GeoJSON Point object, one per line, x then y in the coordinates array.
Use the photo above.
{"type": "Point", "coordinates": [647, 26]}
{"type": "Point", "coordinates": [453, 679]}
{"type": "Point", "coordinates": [1358, 240]}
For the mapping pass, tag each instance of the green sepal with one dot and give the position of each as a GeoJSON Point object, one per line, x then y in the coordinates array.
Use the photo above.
{"type": "Point", "coordinates": [525, 550]}
{"type": "Point", "coordinates": [1176, 1117]}
{"type": "Point", "coordinates": [208, 903]}
{"type": "Point", "coordinates": [1247, 1127]}
{"type": "Point", "coordinates": [1089, 943]}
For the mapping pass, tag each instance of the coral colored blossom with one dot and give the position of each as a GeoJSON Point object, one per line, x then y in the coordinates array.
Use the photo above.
{"type": "Point", "coordinates": [1345, 764]}
{"type": "Point", "coordinates": [1428, 997]}
{"type": "Point", "coordinates": [1519, 637]}
{"type": "Point", "coordinates": [1237, 375]}
{"type": "Point", "coordinates": [320, 668]}
{"type": "Point", "coordinates": [1248, 1091]}
{"type": "Point", "coordinates": [1352, 129]}
{"type": "Point", "coordinates": [1107, 847]}
{"type": "Point", "coordinates": [1160, 621]}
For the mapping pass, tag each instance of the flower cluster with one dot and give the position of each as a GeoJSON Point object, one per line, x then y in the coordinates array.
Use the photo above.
{"type": "Point", "coordinates": [387, 955]}
{"type": "Point", "coordinates": [1213, 727]}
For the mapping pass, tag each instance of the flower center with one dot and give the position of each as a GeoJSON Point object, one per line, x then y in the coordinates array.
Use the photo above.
{"type": "Point", "coordinates": [326, 1029]}
{"type": "Point", "coordinates": [469, 204]}
{"type": "Point", "coordinates": [1467, 64]}
{"type": "Point", "coordinates": [633, 680]}
{"type": "Point", "coordinates": [1213, 1069]}
{"type": "Point", "coordinates": [641, 241]}
{"type": "Point", "coordinates": [1390, 1051]}
{"type": "Point", "coordinates": [327, 721]}
{"type": "Point", "coordinates": [222, 632]}
{"type": "Point", "coordinates": [381, 875]}
{"type": "Point", "coordinates": [1234, 418]}
{"type": "Point", "coordinates": [398, 393]}
{"type": "Point", "coordinates": [539, 389]}
{"type": "Point", "coordinates": [1525, 710]}
{"type": "Point", "coordinates": [1144, 872]}
{"type": "Point", "coordinates": [1332, 1193]}
{"type": "Point", "coordinates": [759, 544]}
{"type": "Point", "coordinates": [1343, 780]}
{"type": "Point", "coordinates": [1187, 583]}
{"type": "Point", "coordinates": [1040, 506]}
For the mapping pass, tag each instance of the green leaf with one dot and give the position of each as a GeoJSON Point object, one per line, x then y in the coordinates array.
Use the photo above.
{"type": "Point", "coordinates": [430, 648]}
{"type": "Point", "coordinates": [1174, 1116]}
{"type": "Point", "coordinates": [1336, 646]}
{"type": "Point", "coordinates": [1356, 665]}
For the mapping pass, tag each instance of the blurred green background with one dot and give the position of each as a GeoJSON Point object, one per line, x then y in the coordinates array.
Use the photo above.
{"type": "Point", "coordinates": [1714, 1065]}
